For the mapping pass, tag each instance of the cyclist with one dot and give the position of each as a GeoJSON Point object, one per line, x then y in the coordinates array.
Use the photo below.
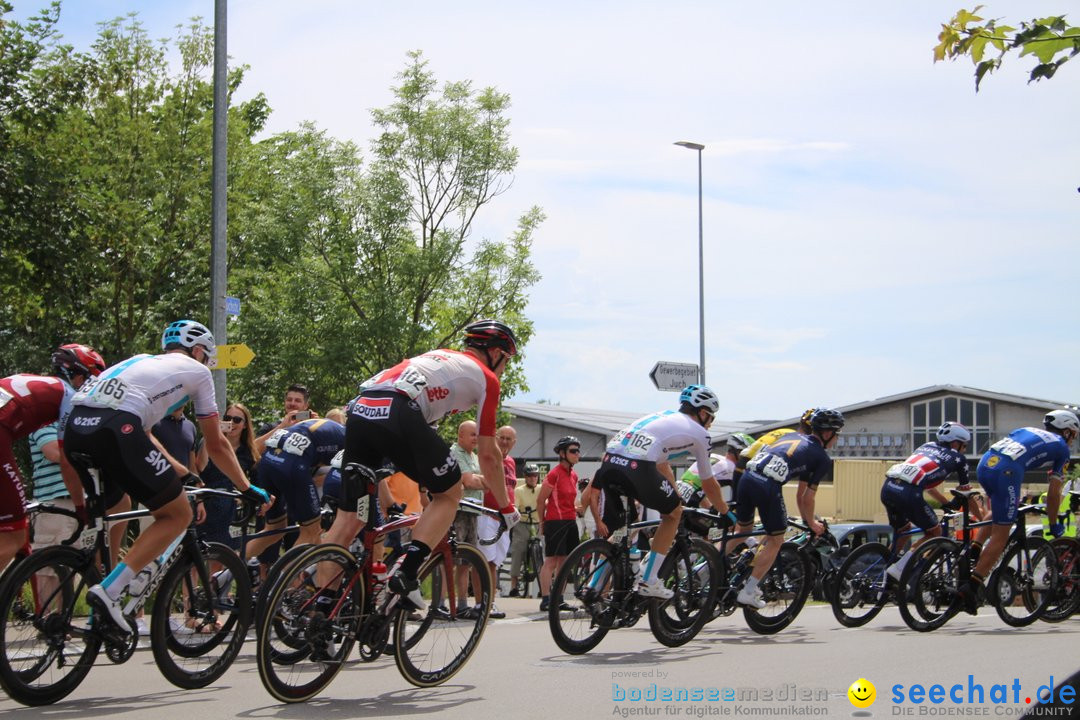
{"type": "Point", "coordinates": [637, 462]}
{"type": "Point", "coordinates": [27, 403]}
{"type": "Point", "coordinates": [799, 456]}
{"type": "Point", "coordinates": [285, 470]}
{"type": "Point", "coordinates": [723, 468]}
{"type": "Point", "coordinates": [392, 418]}
{"type": "Point", "coordinates": [926, 468]}
{"type": "Point", "coordinates": [110, 422]}
{"type": "Point", "coordinates": [1001, 471]}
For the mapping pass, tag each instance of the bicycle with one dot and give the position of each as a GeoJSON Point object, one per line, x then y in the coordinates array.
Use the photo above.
{"type": "Point", "coordinates": [303, 644]}
{"type": "Point", "coordinates": [1020, 587]}
{"type": "Point", "coordinates": [863, 587]}
{"type": "Point", "coordinates": [534, 554]}
{"type": "Point", "coordinates": [599, 576]}
{"type": "Point", "coordinates": [1067, 550]}
{"type": "Point", "coordinates": [49, 639]}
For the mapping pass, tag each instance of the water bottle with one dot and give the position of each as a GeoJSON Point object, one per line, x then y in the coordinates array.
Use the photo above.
{"type": "Point", "coordinates": [139, 582]}
{"type": "Point", "coordinates": [379, 573]}
{"type": "Point", "coordinates": [635, 561]}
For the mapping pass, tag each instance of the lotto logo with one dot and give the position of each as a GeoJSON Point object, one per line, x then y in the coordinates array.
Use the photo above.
{"type": "Point", "coordinates": [436, 393]}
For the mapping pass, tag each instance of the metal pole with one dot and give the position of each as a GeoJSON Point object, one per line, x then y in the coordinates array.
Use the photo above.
{"type": "Point", "coordinates": [701, 259]}
{"type": "Point", "coordinates": [701, 271]}
{"type": "Point", "coordinates": [219, 220]}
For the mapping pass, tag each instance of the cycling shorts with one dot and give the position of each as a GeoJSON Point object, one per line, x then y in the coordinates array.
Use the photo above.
{"type": "Point", "coordinates": [1001, 479]}
{"type": "Point", "coordinates": [637, 479]}
{"type": "Point", "coordinates": [389, 426]}
{"type": "Point", "coordinates": [288, 478]}
{"type": "Point", "coordinates": [767, 497]}
{"type": "Point", "coordinates": [12, 491]}
{"type": "Point", "coordinates": [905, 504]}
{"type": "Point", "coordinates": [129, 462]}
{"type": "Point", "coordinates": [560, 537]}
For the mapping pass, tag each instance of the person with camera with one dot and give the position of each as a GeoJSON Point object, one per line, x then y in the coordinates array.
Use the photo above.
{"type": "Point", "coordinates": [297, 409]}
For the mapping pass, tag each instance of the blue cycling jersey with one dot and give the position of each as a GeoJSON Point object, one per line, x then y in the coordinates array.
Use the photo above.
{"type": "Point", "coordinates": [316, 441]}
{"type": "Point", "coordinates": [1030, 448]}
{"type": "Point", "coordinates": [793, 457]}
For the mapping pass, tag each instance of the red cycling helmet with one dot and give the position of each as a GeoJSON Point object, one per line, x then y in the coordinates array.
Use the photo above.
{"type": "Point", "coordinates": [75, 359]}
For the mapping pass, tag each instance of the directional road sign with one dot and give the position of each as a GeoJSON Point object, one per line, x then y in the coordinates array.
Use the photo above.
{"type": "Point", "coordinates": [673, 376]}
{"type": "Point", "coordinates": [232, 357]}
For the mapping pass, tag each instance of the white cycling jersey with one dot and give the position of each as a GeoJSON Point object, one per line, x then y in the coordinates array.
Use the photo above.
{"type": "Point", "coordinates": [151, 386]}
{"type": "Point", "coordinates": [442, 382]}
{"type": "Point", "coordinates": [664, 436]}
{"type": "Point", "coordinates": [723, 469]}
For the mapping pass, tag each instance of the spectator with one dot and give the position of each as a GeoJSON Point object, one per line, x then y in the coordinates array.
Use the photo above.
{"type": "Point", "coordinates": [464, 453]}
{"type": "Point", "coordinates": [525, 501]}
{"type": "Point", "coordinates": [336, 414]}
{"type": "Point", "coordinates": [177, 436]}
{"type": "Point", "coordinates": [558, 519]}
{"type": "Point", "coordinates": [297, 409]}
{"type": "Point", "coordinates": [236, 427]}
{"type": "Point", "coordinates": [486, 527]}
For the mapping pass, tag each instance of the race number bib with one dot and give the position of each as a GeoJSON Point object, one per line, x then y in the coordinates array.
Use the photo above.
{"type": "Point", "coordinates": [1009, 448]}
{"type": "Point", "coordinates": [412, 382]}
{"type": "Point", "coordinates": [362, 507]}
{"type": "Point", "coordinates": [634, 443]}
{"type": "Point", "coordinates": [296, 444]}
{"type": "Point", "coordinates": [773, 467]}
{"type": "Point", "coordinates": [686, 491]}
{"type": "Point", "coordinates": [906, 472]}
{"type": "Point", "coordinates": [102, 393]}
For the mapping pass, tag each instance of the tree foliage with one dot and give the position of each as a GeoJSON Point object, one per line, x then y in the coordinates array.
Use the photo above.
{"type": "Point", "coordinates": [1051, 40]}
{"type": "Point", "coordinates": [344, 266]}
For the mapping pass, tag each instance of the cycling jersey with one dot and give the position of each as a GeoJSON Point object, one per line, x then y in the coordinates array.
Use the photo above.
{"type": "Point", "coordinates": [150, 387]}
{"type": "Point", "coordinates": [442, 382]}
{"type": "Point", "coordinates": [689, 485]}
{"type": "Point", "coordinates": [763, 442]}
{"type": "Point", "coordinates": [793, 457]}
{"type": "Point", "coordinates": [929, 465]}
{"type": "Point", "coordinates": [661, 437]}
{"type": "Point", "coordinates": [317, 441]}
{"type": "Point", "coordinates": [285, 468]}
{"type": "Point", "coordinates": [27, 403]}
{"type": "Point", "coordinates": [1002, 467]}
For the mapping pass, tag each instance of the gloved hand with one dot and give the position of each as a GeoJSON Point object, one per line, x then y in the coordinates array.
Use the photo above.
{"type": "Point", "coordinates": [256, 494]}
{"type": "Point", "coordinates": [727, 520]}
{"type": "Point", "coordinates": [395, 509]}
{"type": "Point", "coordinates": [191, 480]}
{"type": "Point", "coordinates": [953, 505]}
{"type": "Point", "coordinates": [511, 516]}
{"type": "Point", "coordinates": [1057, 529]}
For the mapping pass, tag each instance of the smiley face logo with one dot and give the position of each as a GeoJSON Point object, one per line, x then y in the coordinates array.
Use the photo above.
{"type": "Point", "coordinates": [862, 693]}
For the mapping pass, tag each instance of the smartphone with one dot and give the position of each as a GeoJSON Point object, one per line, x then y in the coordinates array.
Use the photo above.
{"type": "Point", "coordinates": [302, 415]}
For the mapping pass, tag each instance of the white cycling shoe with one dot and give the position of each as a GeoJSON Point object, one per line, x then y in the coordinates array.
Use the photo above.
{"type": "Point", "coordinates": [98, 599]}
{"type": "Point", "coordinates": [750, 599]}
{"type": "Point", "coordinates": [654, 589]}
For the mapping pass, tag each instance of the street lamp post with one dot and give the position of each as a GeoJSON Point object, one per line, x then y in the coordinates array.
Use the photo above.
{"type": "Point", "coordinates": [701, 259]}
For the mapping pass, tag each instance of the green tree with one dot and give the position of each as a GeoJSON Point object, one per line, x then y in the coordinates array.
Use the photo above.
{"type": "Point", "coordinates": [1051, 40]}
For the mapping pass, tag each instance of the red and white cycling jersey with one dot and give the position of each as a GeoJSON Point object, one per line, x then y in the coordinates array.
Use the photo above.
{"type": "Point", "coordinates": [29, 402]}
{"type": "Point", "coordinates": [151, 386]}
{"type": "Point", "coordinates": [442, 382]}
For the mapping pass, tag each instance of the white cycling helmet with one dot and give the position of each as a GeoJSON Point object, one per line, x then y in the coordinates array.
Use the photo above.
{"type": "Point", "coordinates": [951, 431]}
{"type": "Point", "coordinates": [1062, 420]}
{"type": "Point", "coordinates": [188, 334]}
{"type": "Point", "coordinates": [700, 396]}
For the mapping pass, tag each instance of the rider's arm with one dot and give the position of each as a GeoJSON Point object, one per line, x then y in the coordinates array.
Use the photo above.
{"type": "Point", "coordinates": [669, 475]}
{"type": "Point", "coordinates": [1053, 498]}
{"type": "Point", "coordinates": [804, 498]}
{"type": "Point", "coordinates": [491, 465]}
{"type": "Point", "coordinates": [712, 491]}
{"type": "Point", "coordinates": [937, 495]}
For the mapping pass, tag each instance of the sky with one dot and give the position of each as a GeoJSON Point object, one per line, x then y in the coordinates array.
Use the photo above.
{"type": "Point", "coordinates": [871, 225]}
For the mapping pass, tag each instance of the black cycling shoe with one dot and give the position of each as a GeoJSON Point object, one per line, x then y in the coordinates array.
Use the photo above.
{"type": "Point", "coordinates": [409, 591]}
{"type": "Point", "coordinates": [971, 597]}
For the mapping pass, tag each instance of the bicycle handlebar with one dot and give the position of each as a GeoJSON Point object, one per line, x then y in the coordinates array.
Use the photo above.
{"type": "Point", "coordinates": [249, 507]}
{"type": "Point", "coordinates": [479, 507]}
{"type": "Point", "coordinates": [36, 507]}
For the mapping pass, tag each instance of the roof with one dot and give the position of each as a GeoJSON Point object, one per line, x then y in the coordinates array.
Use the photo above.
{"type": "Point", "coordinates": [602, 422]}
{"type": "Point", "coordinates": [931, 390]}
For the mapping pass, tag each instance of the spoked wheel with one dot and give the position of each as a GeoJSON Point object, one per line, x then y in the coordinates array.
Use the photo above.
{"type": "Point", "coordinates": [432, 646]}
{"type": "Point", "coordinates": [691, 572]}
{"type": "Point", "coordinates": [536, 561]}
{"type": "Point", "coordinates": [784, 588]}
{"type": "Point", "coordinates": [588, 581]}
{"type": "Point", "coordinates": [860, 589]}
{"type": "Point", "coordinates": [196, 630]}
{"type": "Point", "coordinates": [46, 643]}
{"type": "Point", "coordinates": [928, 590]}
{"type": "Point", "coordinates": [1067, 597]}
{"type": "Point", "coordinates": [304, 643]}
{"type": "Point", "coordinates": [1025, 582]}
{"type": "Point", "coordinates": [272, 576]}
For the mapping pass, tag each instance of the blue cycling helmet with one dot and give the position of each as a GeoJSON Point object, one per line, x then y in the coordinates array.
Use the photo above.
{"type": "Point", "coordinates": [187, 334]}
{"type": "Point", "coordinates": [700, 396]}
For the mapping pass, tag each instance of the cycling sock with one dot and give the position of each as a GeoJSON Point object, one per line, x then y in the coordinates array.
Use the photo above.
{"type": "Point", "coordinates": [117, 580]}
{"type": "Point", "coordinates": [976, 578]}
{"type": "Point", "coordinates": [415, 554]}
{"type": "Point", "coordinates": [751, 584]}
{"type": "Point", "coordinates": [651, 566]}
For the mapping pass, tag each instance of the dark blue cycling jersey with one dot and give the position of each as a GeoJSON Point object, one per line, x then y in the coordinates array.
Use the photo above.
{"type": "Point", "coordinates": [929, 465]}
{"type": "Point", "coordinates": [793, 457]}
{"type": "Point", "coordinates": [316, 441]}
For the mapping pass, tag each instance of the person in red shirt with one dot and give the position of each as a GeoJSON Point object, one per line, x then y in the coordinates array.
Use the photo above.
{"type": "Point", "coordinates": [27, 403]}
{"type": "Point", "coordinates": [558, 518]}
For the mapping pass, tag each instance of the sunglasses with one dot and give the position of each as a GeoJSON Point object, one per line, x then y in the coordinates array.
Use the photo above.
{"type": "Point", "coordinates": [233, 418]}
{"type": "Point", "coordinates": [574, 451]}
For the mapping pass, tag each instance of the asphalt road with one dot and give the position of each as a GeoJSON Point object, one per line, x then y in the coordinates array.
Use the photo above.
{"type": "Point", "coordinates": [518, 672]}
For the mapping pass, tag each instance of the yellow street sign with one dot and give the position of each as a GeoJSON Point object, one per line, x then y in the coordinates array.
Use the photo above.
{"type": "Point", "coordinates": [232, 357]}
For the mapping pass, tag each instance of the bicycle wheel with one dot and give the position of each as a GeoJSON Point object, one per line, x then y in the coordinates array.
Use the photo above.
{"type": "Point", "coordinates": [861, 585]}
{"type": "Point", "coordinates": [326, 635]}
{"type": "Point", "coordinates": [784, 588]}
{"type": "Point", "coordinates": [46, 643]}
{"type": "Point", "coordinates": [691, 572]}
{"type": "Point", "coordinates": [266, 587]}
{"type": "Point", "coordinates": [927, 595]}
{"type": "Point", "coordinates": [590, 577]}
{"type": "Point", "coordinates": [535, 561]}
{"type": "Point", "coordinates": [431, 647]}
{"type": "Point", "coordinates": [1025, 582]}
{"type": "Point", "coordinates": [1067, 597]}
{"type": "Point", "coordinates": [197, 631]}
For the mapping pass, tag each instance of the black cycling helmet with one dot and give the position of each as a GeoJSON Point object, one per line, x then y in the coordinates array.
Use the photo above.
{"type": "Point", "coordinates": [484, 334]}
{"type": "Point", "coordinates": [565, 442]}
{"type": "Point", "coordinates": [807, 414]}
{"type": "Point", "coordinates": [826, 419]}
